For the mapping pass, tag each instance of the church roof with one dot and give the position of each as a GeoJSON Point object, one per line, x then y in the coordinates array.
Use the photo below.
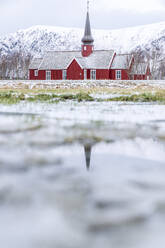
{"type": "Point", "coordinates": [56, 60]}
{"type": "Point", "coordinates": [35, 63]}
{"type": "Point", "coordinates": [122, 61]}
{"type": "Point", "coordinates": [97, 60]}
{"type": "Point", "coordinates": [139, 68]}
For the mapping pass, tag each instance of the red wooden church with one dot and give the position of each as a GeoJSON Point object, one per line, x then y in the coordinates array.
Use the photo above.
{"type": "Point", "coordinates": [87, 64]}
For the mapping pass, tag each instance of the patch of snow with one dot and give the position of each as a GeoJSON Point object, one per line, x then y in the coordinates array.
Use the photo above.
{"type": "Point", "coordinates": [38, 39]}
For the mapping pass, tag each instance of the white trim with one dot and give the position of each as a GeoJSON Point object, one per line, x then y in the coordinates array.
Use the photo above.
{"type": "Point", "coordinates": [71, 63]}
{"type": "Point", "coordinates": [132, 57]}
{"type": "Point", "coordinates": [146, 68]}
{"type": "Point", "coordinates": [36, 73]}
{"type": "Point", "coordinates": [116, 74]}
{"type": "Point", "coordinates": [91, 74]}
{"type": "Point", "coordinates": [64, 74]}
{"type": "Point", "coordinates": [40, 64]}
{"type": "Point", "coordinates": [48, 72]}
{"type": "Point", "coordinates": [85, 74]}
{"type": "Point", "coordinates": [113, 57]}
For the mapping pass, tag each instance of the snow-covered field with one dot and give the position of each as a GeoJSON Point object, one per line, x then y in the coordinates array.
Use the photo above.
{"type": "Point", "coordinates": [19, 84]}
{"type": "Point", "coordinates": [49, 199]}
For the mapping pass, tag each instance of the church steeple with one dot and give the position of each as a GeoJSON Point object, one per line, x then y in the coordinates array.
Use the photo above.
{"type": "Point", "coordinates": [87, 40]}
{"type": "Point", "coordinates": [88, 151]}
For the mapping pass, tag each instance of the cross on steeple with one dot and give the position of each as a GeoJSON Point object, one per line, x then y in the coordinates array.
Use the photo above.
{"type": "Point", "coordinates": [87, 40]}
{"type": "Point", "coordinates": [87, 5]}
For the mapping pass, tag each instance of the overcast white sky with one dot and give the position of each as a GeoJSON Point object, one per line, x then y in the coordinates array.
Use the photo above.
{"type": "Point", "coordinates": [105, 14]}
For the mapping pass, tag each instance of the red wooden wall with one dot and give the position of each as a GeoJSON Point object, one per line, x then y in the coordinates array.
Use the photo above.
{"type": "Point", "coordinates": [140, 77]}
{"type": "Point", "coordinates": [56, 74]}
{"type": "Point", "coordinates": [148, 74]}
{"type": "Point", "coordinates": [88, 74]}
{"type": "Point", "coordinates": [74, 71]}
{"type": "Point", "coordinates": [102, 74]}
{"type": "Point", "coordinates": [143, 77]}
{"type": "Point", "coordinates": [41, 75]}
{"type": "Point", "coordinates": [124, 74]}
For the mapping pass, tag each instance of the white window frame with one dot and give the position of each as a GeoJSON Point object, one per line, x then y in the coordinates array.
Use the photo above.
{"type": "Point", "coordinates": [118, 74]}
{"type": "Point", "coordinates": [85, 48]}
{"type": "Point", "coordinates": [93, 75]}
{"type": "Point", "coordinates": [64, 74]}
{"type": "Point", "coordinates": [36, 73]}
{"type": "Point", "coordinates": [48, 75]}
{"type": "Point", "coordinates": [85, 74]}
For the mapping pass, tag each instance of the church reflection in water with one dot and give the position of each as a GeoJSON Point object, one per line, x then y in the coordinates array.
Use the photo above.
{"type": "Point", "coordinates": [88, 151]}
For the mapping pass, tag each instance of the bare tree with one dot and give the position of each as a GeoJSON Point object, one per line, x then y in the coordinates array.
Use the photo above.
{"type": "Point", "coordinates": [15, 65]}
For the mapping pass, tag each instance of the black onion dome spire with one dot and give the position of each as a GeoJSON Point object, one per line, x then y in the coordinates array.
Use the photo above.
{"type": "Point", "coordinates": [87, 39]}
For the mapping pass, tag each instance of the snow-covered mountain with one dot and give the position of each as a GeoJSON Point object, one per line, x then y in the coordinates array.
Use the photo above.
{"type": "Point", "coordinates": [38, 39]}
{"type": "Point", "coordinates": [19, 48]}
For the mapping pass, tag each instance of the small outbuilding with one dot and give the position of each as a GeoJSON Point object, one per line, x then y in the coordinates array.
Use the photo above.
{"type": "Point", "coordinates": [140, 71]}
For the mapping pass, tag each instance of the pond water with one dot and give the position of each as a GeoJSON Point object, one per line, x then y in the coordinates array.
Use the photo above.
{"type": "Point", "coordinates": [75, 175]}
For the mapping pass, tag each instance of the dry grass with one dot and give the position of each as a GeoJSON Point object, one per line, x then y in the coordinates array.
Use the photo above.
{"type": "Point", "coordinates": [143, 88]}
{"type": "Point", "coordinates": [112, 88]}
{"type": "Point", "coordinates": [94, 90]}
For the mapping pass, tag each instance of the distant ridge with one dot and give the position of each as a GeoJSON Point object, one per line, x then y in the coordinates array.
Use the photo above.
{"type": "Point", "coordinates": [37, 39]}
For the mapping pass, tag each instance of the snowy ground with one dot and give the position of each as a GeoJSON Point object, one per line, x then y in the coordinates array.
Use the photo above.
{"type": "Point", "coordinates": [49, 199]}
{"type": "Point", "coordinates": [19, 84]}
{"type": "Point", "coordinates": [38, 39]}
